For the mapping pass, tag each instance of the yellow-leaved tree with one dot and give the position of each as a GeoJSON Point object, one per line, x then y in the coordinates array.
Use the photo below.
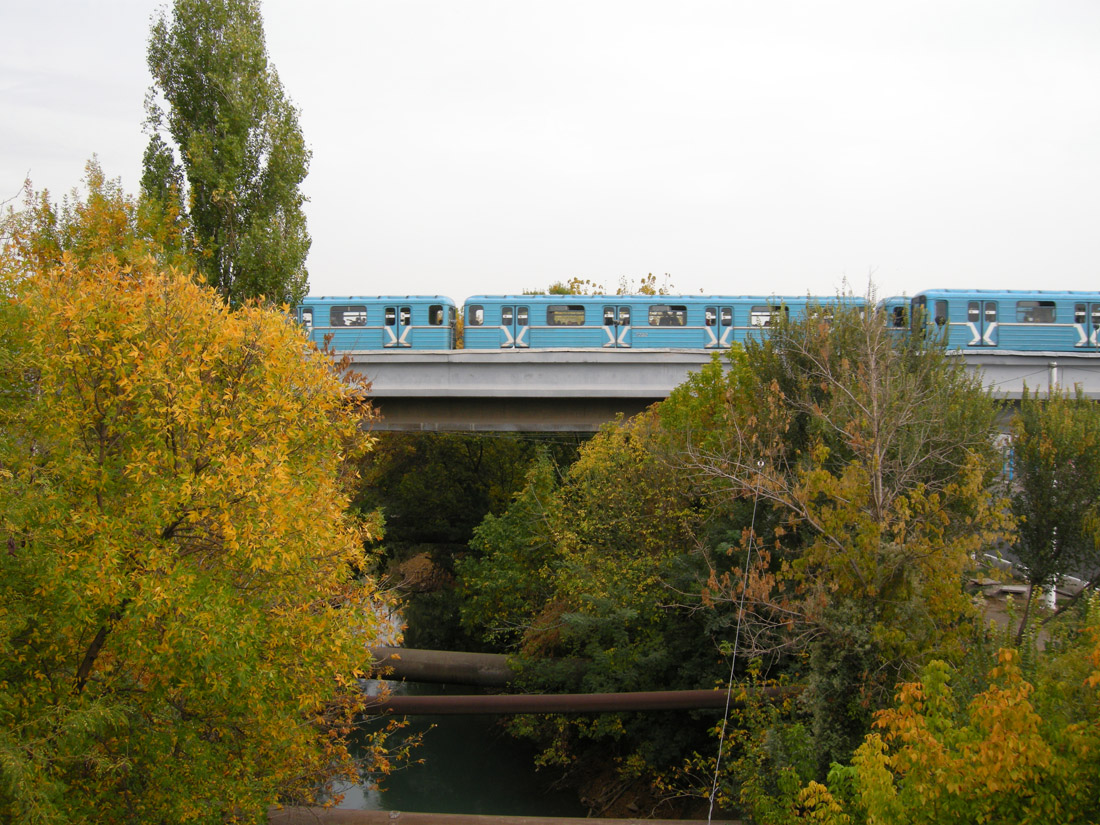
{"type": "Point", "coordinates": [182, 605]}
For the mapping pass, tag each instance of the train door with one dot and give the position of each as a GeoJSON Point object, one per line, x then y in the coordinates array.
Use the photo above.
{"type": "Point", "coordinates": [718, 326]}
{"type": "Point", "coordinates": [1086, 317]}
{"type": "Point", "coordinates": [981, 317]}
{"type": "Point", "coordinates": [513, 327]}
{"type": "Point", "coordinates": [397, 323]}
{"type": "Point", "coordinates": [616, 323]}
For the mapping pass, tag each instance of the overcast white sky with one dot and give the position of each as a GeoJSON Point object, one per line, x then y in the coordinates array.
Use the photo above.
{"type": "Point", "coordinates": [742, 147]}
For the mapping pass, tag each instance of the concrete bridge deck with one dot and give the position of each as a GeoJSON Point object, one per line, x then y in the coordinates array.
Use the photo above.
{"type": "Point", "coordinates": [577, 390]}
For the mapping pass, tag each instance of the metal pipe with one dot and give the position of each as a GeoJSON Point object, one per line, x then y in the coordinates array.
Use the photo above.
{"type": "Point", "coordinates": [558, 703]}
{"type": "Point", "coordinates": [334, 816]}
{"type": "Point", "coordinates": [442, 667]}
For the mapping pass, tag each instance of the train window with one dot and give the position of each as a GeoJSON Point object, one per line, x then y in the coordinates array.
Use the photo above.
{"type": "Point", "coordinates": [897, 318]}
{"type": "Point", "coordinates": [710, 317]}
{"type": "Point", "coordinates": [435, 315]}
{"type": "Point", "coordinates": [727, 316]}
{"type": "Point", "coordinates": [307, 317]}
{"type": "Point", "coordinates": [609, 316]}
{"type": "Point", "coordinates": [406, 316]}
{"type": "Point", "coordinates": [666, 315]}
{"type": "Point", "coordinates": [506, 316]}
{"type": "Point", "coordinates": [565, 315]}
{"type": "Point", "coordinates": [941, 313]}
{"type": "Point", "coordinates": [1079, 313]}
{"type": "Point", "coordinates": [343, 316]}
{"type": "Point", "coordinates": [765, 316]}
{"type": "Point", "coordinates": [391, 316]}
{"type": "Point", "coordinates": [974, 312]}
{"type": "Point", "coordinates": [624, 316]}
{"type": "Point", "coordinates": [1096, 315]}
{"type": "Point", "coordinates": [1035, 312]}
{"type": "Point", "coordinates": [521, 316]}
{"type": "Point", "coordinates": [990, 312]}
{"type": "Point", "coordinates": [475, 315]}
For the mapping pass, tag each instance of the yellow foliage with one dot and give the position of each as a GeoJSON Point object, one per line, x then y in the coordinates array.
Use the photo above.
{"type": "Point", "coordinates": [180, 616]}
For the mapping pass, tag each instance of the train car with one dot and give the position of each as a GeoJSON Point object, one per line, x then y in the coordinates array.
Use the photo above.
{"type": "Point", "coordinates": [397, 322]}
{"type": "Point", "coordinates": [896, 309]}
{"type": "Point", "coordinates": [624, 321]}
{"type": "Point", "coordinates": [1009, 320]}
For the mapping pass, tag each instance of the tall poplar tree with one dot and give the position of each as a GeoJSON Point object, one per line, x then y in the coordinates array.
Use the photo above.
{"type": "Point", "coordinates": [224, 131]}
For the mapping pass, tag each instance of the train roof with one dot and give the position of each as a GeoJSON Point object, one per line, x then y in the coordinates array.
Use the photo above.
{"type": "Point", "coordinates": [1011, 293]}
{"type": "Point", "coordinates": [610, 298]}
{"type": "Point", "coordinates": [331, 298]}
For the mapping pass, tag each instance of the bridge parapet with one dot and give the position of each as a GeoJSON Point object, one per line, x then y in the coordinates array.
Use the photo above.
{"type": "Point", "coordinates": [548, 390]}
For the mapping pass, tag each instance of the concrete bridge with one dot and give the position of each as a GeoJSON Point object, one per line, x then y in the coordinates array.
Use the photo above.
{"type": "Point", "coordinates": [577, 390]}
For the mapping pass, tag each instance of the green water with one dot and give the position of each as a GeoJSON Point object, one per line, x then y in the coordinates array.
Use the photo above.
{"type": "Point", "coordinates": [470, 766]}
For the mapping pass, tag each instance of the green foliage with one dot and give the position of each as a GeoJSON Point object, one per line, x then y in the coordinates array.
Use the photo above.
{"type": "Point", "coordinates": [1012, 756]}
{"type": "Point", "coordinates": [868, 459]}
{"type": "Point", "coordinates": [235, 152]}
{"type": "Point", "coordinates": [180, 629]}
{"type": "Point", "coordinates": [1055, 488]}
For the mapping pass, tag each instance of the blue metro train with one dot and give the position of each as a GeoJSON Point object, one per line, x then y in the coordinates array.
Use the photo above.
{"type": "Point", "coordinates": [1009, 320]}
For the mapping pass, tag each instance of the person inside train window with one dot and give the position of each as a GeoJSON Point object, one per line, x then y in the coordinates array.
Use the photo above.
{"type": "Point", "coordinates": [475, 315]}
{"type": "Point", "coordinates": [435, 315]}
{"type": "Point", "coordinates": [609, 316]}
{"type": "Point", "coordinates": [710, 317]}
{"type": "Point", "coordinates": [941, 313]}
{"type": "Point", "coordinates": [624, 316]}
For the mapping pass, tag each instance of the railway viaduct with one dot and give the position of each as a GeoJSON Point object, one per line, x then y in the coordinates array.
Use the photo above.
{"type": "Point", "coordinates": [578, 390]}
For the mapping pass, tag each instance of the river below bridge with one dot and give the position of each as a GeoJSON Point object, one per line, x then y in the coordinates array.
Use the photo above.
{"type": "Point", "coordinates": [469, 765]}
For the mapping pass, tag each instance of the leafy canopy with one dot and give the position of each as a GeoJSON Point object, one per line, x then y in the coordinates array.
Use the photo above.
{"type": "Point", "coordinates": [228, 150]}
{"type": "Point", "coordinates": [180, 626]}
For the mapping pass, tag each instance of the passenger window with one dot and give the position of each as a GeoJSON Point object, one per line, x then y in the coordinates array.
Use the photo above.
{"type": "Point", "coordinates": [609, 316]}
{"type": "Point", "coordinates": [344, 316]}
{"type": "Point", "coordinates": [1035, 312]}
{"type": "Point", "coordinates": [765, 316]}
{"type": "Point", "coordinates": [435, 315]}
{"type": "Point", "coordinates": [624, 316]}
{"type": "Point", "coordinates": [475, 315]}
{"type": "Point", "coordinates": [990, 312]}
{"type": "Point", "coordinates": [941, 313]}
{"type": "Point", "coordinates": [665, 315]}
{"type": "Point", "coordinates": [521, 316]}
{"type": "Point", "coordinates": [506, 316]}
{"type": "Point", "coordinates": [406, 316]}
{"type": "Point", "coordinates": [1079, 313]}
{"type": "Point", "coordinates": [307, 317]}
{"type": "Point", "coordinates": [710, 317]}
{"type": "Point", "coordinates": [565, 315]}
{"type": "Point", "coordinates": [391, 316]}
{"type": "Point", "coordinates": [727, 316]}
{"type": "Point", "coordinates": [973, 312]}
{"type": "Point", "coordinates": [897, 319]}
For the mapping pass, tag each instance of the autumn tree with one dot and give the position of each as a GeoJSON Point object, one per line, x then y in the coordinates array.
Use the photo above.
{"type": "Point", "coordinates": [229, 136]}
{"type": "Point", "coordinates": [101, 226]}
{"type": "Point", "coordinates": [1055, 490]}
{"type": "Point", "coordinates": [867, 458]}
{"type": "Point", "coordinates": [180, 622]}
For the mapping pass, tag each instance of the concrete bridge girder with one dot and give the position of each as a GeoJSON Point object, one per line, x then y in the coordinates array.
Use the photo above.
{"type": "Point", "coordinates": [578, 390]}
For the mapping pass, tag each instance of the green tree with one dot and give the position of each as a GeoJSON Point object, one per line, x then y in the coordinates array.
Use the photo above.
{"type": "Point", "coordinates": [233, 144]}
{"type": "Point", "coordinates": [180, 627]}
{"type": "Point", "coordinates": [1055, 489]}
{"type": "Point", "coordinates": [868, 459]}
